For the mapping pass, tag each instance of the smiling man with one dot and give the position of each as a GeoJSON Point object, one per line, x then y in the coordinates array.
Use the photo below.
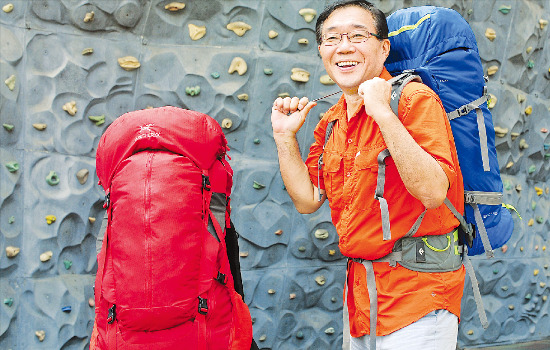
{"type": "Point", "coordinates": [390, 306]}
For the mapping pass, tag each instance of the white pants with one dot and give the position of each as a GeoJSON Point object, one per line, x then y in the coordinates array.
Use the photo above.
{"type": "Point", "coordinates": [438, 330]}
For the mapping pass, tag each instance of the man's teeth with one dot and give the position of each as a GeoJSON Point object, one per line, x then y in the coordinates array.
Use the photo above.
{"type": "Point", "coordinates": [346, 64]}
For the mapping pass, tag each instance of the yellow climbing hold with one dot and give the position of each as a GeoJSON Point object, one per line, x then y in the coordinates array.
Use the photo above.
{"type": "Point", "coordinates": [129, 63]}
{"type": "Point", "coordinates": [70, 107]}
{"type": "Point", "coordinates": [531, 222]}
{"type": "Point", "coordinates": [528, 110]}
{"type": "Point", "coordinates": [491, 34]}
{"type": "Point", "coordinates": [539, 191]}
{"type": "Point", "coordinates": [326, 80]}
{"type": "Point", "coordinates": [492, 70]}
{"type": "Point", "coordinates": [175, 6]}
{"type": "Point", "coordinates": [238, 64]}
{"type": "Point", "coordinates": [89, 17]}
{"type": "Point", "coordinates": [272, 34]}
{"type": "Point", "coordinates": [238, 28]}
{"type": "Point", "coordinates": [535, 272]}
{"type": "Point", "coordinates": [46, 256]}
{"type": "Point", "coordinates": [10, 82]}
{"type": "Point", "coordinates": [500, 132]}
{"type": "Point", "coordinates": [308, 14]}
{"type": "Point", "coordinates": [492, 101]}
{"type": "Point", "coordinates": [50, 219]}
{"type": "Point", "coordinates": [543, 23]}
{"type": "Point", "coordinates": [300, 75]}
{"type": "Point", "coordinates": [509, 165]}
{"type": "Point", "coordinates": [7, 8]}
{"type": "Point", "coordinates": [196, 32]}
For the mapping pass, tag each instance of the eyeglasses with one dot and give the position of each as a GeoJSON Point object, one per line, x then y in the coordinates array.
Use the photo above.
{"type": "Point", "coordinates": [355, 37]}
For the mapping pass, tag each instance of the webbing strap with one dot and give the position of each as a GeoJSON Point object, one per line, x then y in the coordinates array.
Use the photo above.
{"type": "Point", "coordinates": [373, 297]}
{"type": "Point", "coordinates": [482, 232]}
{"type": "Point", "coordinates": [463, 223]}
{"type": "Point", "coordinates": [480, 197]}
{"type": "Point", "coordinates": [398, 84]}
{"type": "Point", "coordinates": [475, 287]}
{"type": "Point", "coordinates": [416, 224]}
{"type": "Point", "coordinates": [379, 195]}
{"type": "Point", "coordinates": [346, 341]}
{"type": "Point", "coordinates": [467, 108]}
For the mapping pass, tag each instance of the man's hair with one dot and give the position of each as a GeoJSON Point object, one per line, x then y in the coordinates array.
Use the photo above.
{"type": "Point", "coordinates": [379, 17]}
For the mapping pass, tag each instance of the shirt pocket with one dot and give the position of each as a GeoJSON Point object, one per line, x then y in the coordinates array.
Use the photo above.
{"type": "Point", "coordinates": [333, 175]}
{"type": "Point", "coordinates": [365, 177]}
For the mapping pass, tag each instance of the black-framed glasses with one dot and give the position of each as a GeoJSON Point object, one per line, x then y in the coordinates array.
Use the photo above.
{"type": "Point", "coordinates": [354, 37]}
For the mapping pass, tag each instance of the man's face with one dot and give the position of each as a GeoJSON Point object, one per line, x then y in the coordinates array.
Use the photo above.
{"type": "Point", "coordinates": [350, 64]}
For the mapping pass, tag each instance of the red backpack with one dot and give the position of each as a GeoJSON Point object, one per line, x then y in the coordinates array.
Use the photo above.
{"type": "Point", "coordinates": [163, 278]}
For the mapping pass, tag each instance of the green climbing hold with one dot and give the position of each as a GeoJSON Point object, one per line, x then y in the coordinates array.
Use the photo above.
{"type": "Point", "coordinates": [507, 185]}
{"type": "Point", "coordinates": [333, 299]}
{"type": "Point", "coordinates": [12, 166]}
{"type": "Point", "coordinates": [256, 141]}
{"type": "Point", "coordinates": [300, 335]}
{"type": "Point", "coordinates": [11, 220]}
{"type": "Point", "coordinates": [540, 219]}
{"type": "Point", "coordinates": [8, 127]}
{"type": "Point", "coordinates": [98, 119]}
{"type": "Point", "coordinates": [268, 71]}
{"type": "Point", "coordinates": [505, 9]}
{"type": "Point", "coordinates": [532, 169]}
{"type": "Point", "coordinates": [67, 264]}
{"type": "Point", "coordinates": [547, 155]}
{"type": "Point", "coordinates": [193, 90]}
{"type": "Point", "coordinates": [495, 271]}
{"type": "Point", "coordinates": [215, 75]}
{"type": "Point", "coordinates": [530, 64]}
{"type": "Point", "coordinates": [329, 330]}
{"type": "Point", "coordinates": [302, 249]}
{"type": "Point", "coordinates": [258, 185]}
{"type": "Point", "coordinates": [528, 296]}
{"type": "Point", "coordinates": [504, 288]}
{"type": "Point", "coordinates": [8, 301]}
{"type": "Point", "coordinates": [52, 179]}
{"type": "Point", "coordinates": [470, 11]}
{"type": "Point", "coordinates": [533, 205]}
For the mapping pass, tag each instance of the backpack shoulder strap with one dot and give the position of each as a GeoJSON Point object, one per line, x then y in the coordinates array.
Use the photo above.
{"type": "Point", "coordinates": [398, 84]}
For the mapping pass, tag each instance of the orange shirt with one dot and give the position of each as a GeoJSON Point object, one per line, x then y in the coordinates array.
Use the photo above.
{"type": "Point", "coordinates": [349, 178]}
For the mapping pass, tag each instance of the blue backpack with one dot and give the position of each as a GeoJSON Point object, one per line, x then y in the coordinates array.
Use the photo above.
{"type": "Point", "coordinates": [437, 45]}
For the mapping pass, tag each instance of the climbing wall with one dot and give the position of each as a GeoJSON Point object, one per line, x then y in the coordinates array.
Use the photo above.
{"type": "Point", "coordinates": [68, 68]}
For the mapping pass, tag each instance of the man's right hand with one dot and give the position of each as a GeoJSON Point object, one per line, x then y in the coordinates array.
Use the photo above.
{"type": "Point", "coordinates": [288, 114]}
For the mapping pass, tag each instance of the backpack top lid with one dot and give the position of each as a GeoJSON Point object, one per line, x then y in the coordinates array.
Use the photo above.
{"type": "Point", "coordinates": [418, 34]}
{"type": "Point", "coordinates": [192, 134]}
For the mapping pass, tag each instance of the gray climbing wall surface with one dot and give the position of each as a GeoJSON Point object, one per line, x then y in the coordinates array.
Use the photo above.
{"type": "Point", "coordinates": [69, 67]}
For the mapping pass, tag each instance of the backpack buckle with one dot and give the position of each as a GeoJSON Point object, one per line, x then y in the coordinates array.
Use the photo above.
{"type": "Point", "coordinates": [206, 182]}
{"type": "Point", "coordinates": [222, 278]}
{"type": "Point", "coordinates": [107, 200]}
{"type": "Point", "coordinates": [464, 110]}
{"type": "Point", "coordinates": [111, 316]}
{"type": "Point", "coordinates": [203, 306]}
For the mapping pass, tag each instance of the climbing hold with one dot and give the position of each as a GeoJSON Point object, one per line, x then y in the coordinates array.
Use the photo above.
{"type": "Point", "coordinates": [501, 132]}
{"type": "Point", "coordinates": [67, 264]}
{"type": "Point", "coordinates": [8, 301]}
{"type": "Point", "coordinates": [544, 130]}
{"type": "Point", "coordinates": [40, 335]}
{"type": "Point", "coordinates": [514, 135]}
{"type": "Point", "coordinates": [495, 272]}
{"type": "Point", "coordinates": [535, 272]}
{"type": "Point", "coordinates": [321, 280]}
{"type": "Point", "coordinates": [518, 187]}
{"type": "Point", "coordinates": [238, 28]}
{"type": "Point", "coordinates": [539, 219]}
{"type": "Point", "coordinates": [12, 166]}
{"type": "Point", "coordinates": [196, 32]}
{"type": "Point", "coordinates": [509, 164]}
{"type": "Point", "coordinates": [300, 75]}
{"type": "Point", "coordinates": [272, 34]}
{"type": "Point", "coordinates": [89, 17]}
{"type": "Point", "coordinates": [11, 251]}
{"type": "Point", "coordinates": [531, 222]}
{"type": "Point", "coordinates": [39, 126]}
{"type": "Point", "coordinates": [82, 175]}
{"type": "Point", "coordinates": [87, 51]}
{"type": "Point", "coordinates": [521, 98]}
{"type": "Point", "coordinates": [303, 41]}
{"type": "Point", "coordinates": [97, 119]}
{"type": "Point", "coordinates": [268, 71]}
{"type": "Point", "coordinates": [308, 14]}
{"type": "Point", "coordinates": [329, 331]}
{"type": "Point", "coordinates": [301, 248]}
{"type": "Point", "coordinates": [511, 307]}
{"type": "Point", "coordinates": [333, 299]}
{"type": "Point", "coordinates": [539, 191]}
{"type": "Point", "coordinates": [490, 34]}
{"type": "Point", "coordinates": [492, 70]}
{"type": "Point", "coordinates": [52, 179]}
{"type": "Point", "coordinates": [227, 123]}
{"type": "Point", "coordinates": [243, 254]}
{"type": "Point", "coordinates": [91, 302]}
{"type": "Point", "coordinates": [257, 185]}
{"type": "Point", "coordinates": [530, 64]}
{"type": "Point", "coordinates": [215, 75]}
{"type": "Point", "coordinates": [292, 296]}
{"type": "Point", "coordinates": [528, 296]}
{"type": "Point", "coordinates": [279, 232]}
{"type": "Point", "coordinates": [66, 309]}
{"type": "Point", "coordinates": [91, 220]}
{"type": "Point", "coordinates": [331, 252]}
{"type": "Point", "coordinates": [543, 248]}
{"type": "Point", "coordinates": [300, 335]}
{"type": "Point", "coordinates": [470, 332]}
{"type": "Point", "coordinates": [175, 6]}
{"type": "Point", "coordinates": [256, 141]}
{"type": "Point", "coordinates": [50, 219]}
{"type": "Point", "coordinates": [283, 94]}
{"type": "Point", "coordinates": [7, 8]}
{"type": "Point", "coordinates": [263, 337]}
{"type": "Point", "coordinates": [504, 248]}
{"type": "Point", "coordinates": [11, 220]}
{"type": "Point", "coordinates": [520, 249]}
{"type": "Point", "coordinates": [237, 65]}
{"type": "Point", "coordinates": [326, 80]}
{"type": "Point", "coordinates": [70, 107]}
{"type": "Point", "coordinates": [529, 49]}
{"type": "Point", "coordinates": [271, 291]}
{"type": "Point", "coordinates": [46, 256]}
{"type": "Point", "coordinates": [129, 63]}
{"type": "Point", "coordinates": [505, 9]}
{"type": "Point", "coordinates": [243, 97]}
{"type": "Point", "coordinates": [321, 233]}
{"type": "Point", "coordinates": [10, 82]}
{"type": "Point", "coordinates": [544, 297]}
{"type": "Point", "coordinates": [528, 110]}
{"type": "Point", "coordinates": [8, 127]}
{"type": "Point", "coordinates": [532, 169]}
{"type": "Point", "coordinates": [542, 284]}
{"type": "Point", "coordinates": [523, 144]}
{"type": "Point", "coordinates": [193, 90]}
{"type": "Point", "coordinates": [543, 23]}
{"type": "Point", "coordinates": [492, 101]}
{"type": "Point", "coordinates": [504, 288]}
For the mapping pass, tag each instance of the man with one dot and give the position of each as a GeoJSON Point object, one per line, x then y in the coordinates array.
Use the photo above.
{"type": "Point", "coordinates": [402, 309]}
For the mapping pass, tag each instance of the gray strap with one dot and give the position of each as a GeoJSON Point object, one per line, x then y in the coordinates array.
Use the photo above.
{"type": "Point", "coordinates": [346, 344]}
{"type": "Point", "coordinates": [373, 297]}
{"type": "Point", "coordinates": [480, 197]}
{"type": "Point", "coordinates": [467, 108]}
{"type": "Point", "coordinates": [475, 287]}
{"type": "Point", "coordinates": [483, 140]}
{"type": "Point", "coordinates": [398, 84]}
{"type": "Point", "coordinates": [482, 232]}
{"type": "Point", "coordinates": [379, 195]}
{"type": "Point", "coordinates": [463, 223]}
{"type": "Point", "coordinates": [416, 224]}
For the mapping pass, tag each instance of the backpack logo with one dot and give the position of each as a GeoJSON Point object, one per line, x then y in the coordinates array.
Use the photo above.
{"type": "Point", "coordinates": [393, 95]}
{"type": "Point", "coordinates": [146, 131]}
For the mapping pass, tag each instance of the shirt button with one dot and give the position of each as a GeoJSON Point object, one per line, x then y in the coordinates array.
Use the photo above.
{"type": "Point", "coordinates": [350, 140]}
{"type": "Point", "coordinates": [348, 174]}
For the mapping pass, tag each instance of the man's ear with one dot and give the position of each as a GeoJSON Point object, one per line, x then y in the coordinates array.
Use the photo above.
{"type": "Point", "coordinates": [386, 46]}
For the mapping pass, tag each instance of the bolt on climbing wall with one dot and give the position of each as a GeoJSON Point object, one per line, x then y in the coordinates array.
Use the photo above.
{"type": "Point", "coordinates": [69, 68]}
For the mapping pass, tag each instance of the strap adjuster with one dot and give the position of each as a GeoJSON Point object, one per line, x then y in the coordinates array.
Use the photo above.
{"type": "Point", "coordinates": [111, 316]}
{"type": "Point", "coordinates": [107, 201]}
{"type": "Point", "coordinates": [222, 278]}
{"type": "Point", "coordinates": [203, 306]}
{"type": "Point", "coordinates": [206, 182]}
